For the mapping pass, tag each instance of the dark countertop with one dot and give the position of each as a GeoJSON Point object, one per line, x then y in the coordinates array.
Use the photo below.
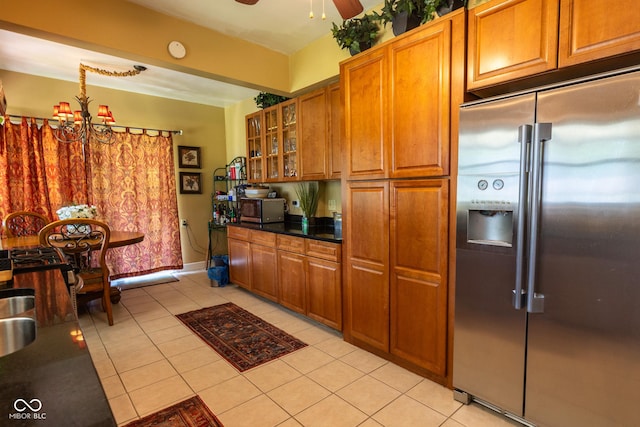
{"type": "Point", "coordinates": [56, 369]}
{"type": "Point", "coordinates": [323, 230]}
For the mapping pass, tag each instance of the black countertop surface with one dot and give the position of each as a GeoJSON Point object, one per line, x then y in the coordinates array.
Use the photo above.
{"type": "Point", "coordinates": [322, 230]}
{"type": "Point", "coordinates": [52, 381]}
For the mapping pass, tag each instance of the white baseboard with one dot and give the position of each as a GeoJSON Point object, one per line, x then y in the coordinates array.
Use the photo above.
{"type": "Point", "coordinates": [191, 267]}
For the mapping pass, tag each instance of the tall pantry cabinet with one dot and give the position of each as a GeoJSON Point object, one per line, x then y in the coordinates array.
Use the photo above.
{"type": "Point", "coordinates": [400, 125]}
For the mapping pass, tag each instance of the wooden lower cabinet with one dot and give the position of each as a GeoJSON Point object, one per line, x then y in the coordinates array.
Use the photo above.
{"type": "Point", "coordinates": [304, 275]}
{"type": "Point", "coordinates": [367, 264]}
{"type": "Point", "coordinates": [419, 241]}
{"type": "Point", "coordinates": [324, 292]}
{"type": "Point", "coordinates": [264, 273]}
{"type": "Point", "coordinates": [396, 270]}
{"type": "Point", "coordinates": [239, 260]}
{"type": "Point", "coordinates": [311, 278]}
{"type": "Point", "coordinates": [292, 270]}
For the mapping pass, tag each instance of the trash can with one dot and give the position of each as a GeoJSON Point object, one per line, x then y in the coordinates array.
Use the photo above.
{"type": "Point", "coordinates": [220, 270]}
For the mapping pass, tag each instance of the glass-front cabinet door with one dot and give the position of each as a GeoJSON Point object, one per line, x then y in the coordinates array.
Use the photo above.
{"type": "Point", "coordinates": [255, 153]}
{"type": "Point", "coordinates": [289, 140]}
{"type": "Point", "coordinates": [272, 143]}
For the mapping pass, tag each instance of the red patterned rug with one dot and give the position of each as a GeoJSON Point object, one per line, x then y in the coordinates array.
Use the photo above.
{"type": "Point", "coordinates": [189, 413]}
{"type": "Point", "coordinates": [243, 339]}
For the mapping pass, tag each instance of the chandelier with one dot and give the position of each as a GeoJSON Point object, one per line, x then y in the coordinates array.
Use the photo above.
{"type": "Point", "coordinates": [77, 126]}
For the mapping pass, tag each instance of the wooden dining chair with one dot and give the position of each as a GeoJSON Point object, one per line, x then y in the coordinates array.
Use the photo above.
{"type": "Point", "coordinates": [23, 223]}
{"type": "Point", "coordinates": [84, 242]}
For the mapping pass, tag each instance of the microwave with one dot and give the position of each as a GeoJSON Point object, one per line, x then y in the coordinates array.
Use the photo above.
{"type": "Point", "coordinates": [262, 211]}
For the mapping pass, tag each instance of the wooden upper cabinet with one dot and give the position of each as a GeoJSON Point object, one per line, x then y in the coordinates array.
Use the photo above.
{"type": "Point", "coordinates": [420, 97]}
{"type": "Point", "coordinates": [397, 103]}
{"type": "Point", "coordinates": [334, 101]}
{"type": "Point", "coordinates": [596, 29]}
{"type": "Point", "coordinates": [511, 39]}
{"type": "Point", "coordinates": [363, 87]}
{"type": "Point", "coordinates": [289, 141]}
{"type": "Point", "coordinates": [255, 143]}
{"type": "Point", "coordinates": [272, 143]}
{"type": "Point", "coordinates": [314, 135]}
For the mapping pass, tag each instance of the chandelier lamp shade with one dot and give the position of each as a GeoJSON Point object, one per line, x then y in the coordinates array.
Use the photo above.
{"type": "Point", "coordinates": [78, 125]}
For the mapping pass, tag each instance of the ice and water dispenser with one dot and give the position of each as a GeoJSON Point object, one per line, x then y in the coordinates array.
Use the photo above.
{"type": "Point", "coordinates": [490, 227]}
{"type": "Point", "coordinates": [486, 207]}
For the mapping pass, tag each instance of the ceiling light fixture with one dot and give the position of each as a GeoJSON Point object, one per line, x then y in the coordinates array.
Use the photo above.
{"type": "Point", "coordinates": [324, 15]}
{"type": "Point", "coordinates": [77, 126]}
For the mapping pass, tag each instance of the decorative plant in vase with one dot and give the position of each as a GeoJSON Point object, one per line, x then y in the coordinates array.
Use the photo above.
{"type": "Point", "coordinates": [308, 194]}
{"type": "Point", "coordinates": [356, 34]}
{"type": "Point", "coordinates": [78, 211]}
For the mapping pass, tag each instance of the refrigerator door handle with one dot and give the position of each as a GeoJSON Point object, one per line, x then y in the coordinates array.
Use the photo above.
{"type": "Point", "coordinates": [524, 138]}
{"type": "Point", "coordinates": [541, 133]}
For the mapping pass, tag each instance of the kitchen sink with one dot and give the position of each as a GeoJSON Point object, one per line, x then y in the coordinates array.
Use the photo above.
{"type": "Point", "coordinates": [17, 319]}
{"type": "Point", "coordinates": [16, 333]}
{"type": "Point", "coordinates": [16, 301]}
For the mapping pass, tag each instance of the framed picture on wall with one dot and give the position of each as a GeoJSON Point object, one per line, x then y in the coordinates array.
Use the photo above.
{"type": "Point", "coordinates": [190, 183]}
{"type": "Point", "coordinates": [189, 157]}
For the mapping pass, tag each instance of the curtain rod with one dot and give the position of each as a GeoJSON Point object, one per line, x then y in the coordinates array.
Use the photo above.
{"type": "Point", "coordinates": [175, 132]}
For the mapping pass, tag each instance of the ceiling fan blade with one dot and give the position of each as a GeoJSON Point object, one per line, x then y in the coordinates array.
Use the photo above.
{"type": "Point", "coordinates": [348, 8]}
{"type": "Point", "coordinates": [247, 1]}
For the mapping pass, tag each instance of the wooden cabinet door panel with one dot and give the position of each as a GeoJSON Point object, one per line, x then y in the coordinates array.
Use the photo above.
{"type": "Point", "coordinates": [418, 278]}
{"type": "Point", "coordinates": [239, 262]}
{"type": "Point", "coordinates": [596, 29]}
{"type": "Point", "coordinates": [263, 238]}
{"type": "Point", "coordinates": [335, 131]}
{"type": "Point", "coordinates": [291, 269]}
{"type": "Point", "coordinates": [511, 39]}
{"type": "Point", "coordinates": [290, 243]}
{"type": "Point", "coordinates": [324, 292]}
{"type": "Point", "coordinates": [367, 264]}
{"type": "Point", "coordinates": [365, 112]}
{"type": "Point", "coordinates": [419, 82]}
{"type": "Point", "coordinates": [325, 250]}
{"type": "Point", "coordinates": [264, 271]}
{"type": "Point", "coordinates": [239, 233]}
{"type": "Point", "coordinates": [313, 135]}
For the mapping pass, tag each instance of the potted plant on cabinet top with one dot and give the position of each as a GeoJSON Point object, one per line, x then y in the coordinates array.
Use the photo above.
{"type": "Point", "coordinates": [405, 15]}
{"type": "Point", "coordinates": [265, 99]}
{"type": "Point", "coordinates": [308, 195]}
{"type": "Point", "coordinates": [356, 34]}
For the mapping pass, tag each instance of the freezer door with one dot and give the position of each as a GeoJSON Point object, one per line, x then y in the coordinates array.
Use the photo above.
{"type": "Point", "coordinates": [489, 334]}
{"type": "Point", "coordinates": [583, 361]}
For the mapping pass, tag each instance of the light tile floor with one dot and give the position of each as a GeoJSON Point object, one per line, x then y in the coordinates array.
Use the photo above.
{"type": "Point", "coordinates": [149, 360]}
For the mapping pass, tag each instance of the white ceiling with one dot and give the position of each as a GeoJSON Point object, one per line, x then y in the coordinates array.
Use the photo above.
{"type": "Point", "coordinates": [281, 25]}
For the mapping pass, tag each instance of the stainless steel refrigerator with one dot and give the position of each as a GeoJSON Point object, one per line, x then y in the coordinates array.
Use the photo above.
{"type": "Point", "coordinates": [547, 309]}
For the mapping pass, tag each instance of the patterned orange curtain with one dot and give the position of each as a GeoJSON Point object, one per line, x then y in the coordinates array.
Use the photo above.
{"type": "Point", "coordinates": [37, 173]}
{"type": "Point", "coordinates": [133, 186]}
{"type": "Point", "coordinates": [131, 181]}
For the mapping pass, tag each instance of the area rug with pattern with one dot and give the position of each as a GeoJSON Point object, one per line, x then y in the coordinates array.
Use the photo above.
{"type": "Point", "coordinates": [189, 413]}
{"type": "Point", "coordinates": [243, 339]}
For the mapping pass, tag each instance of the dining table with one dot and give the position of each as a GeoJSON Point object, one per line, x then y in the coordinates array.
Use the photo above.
{"type": "Point", "coordinates": [117, 239]}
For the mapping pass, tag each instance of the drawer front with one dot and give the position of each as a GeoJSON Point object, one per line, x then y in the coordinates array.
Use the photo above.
{"type": "Point", "coordinates": [324, 250]}
{"type": "Point", "coordinates": [238, 233]}
{"type": "Point", "coordinates": [291, 244]}
{"type": "Point", "coordinates": [263, 238]}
